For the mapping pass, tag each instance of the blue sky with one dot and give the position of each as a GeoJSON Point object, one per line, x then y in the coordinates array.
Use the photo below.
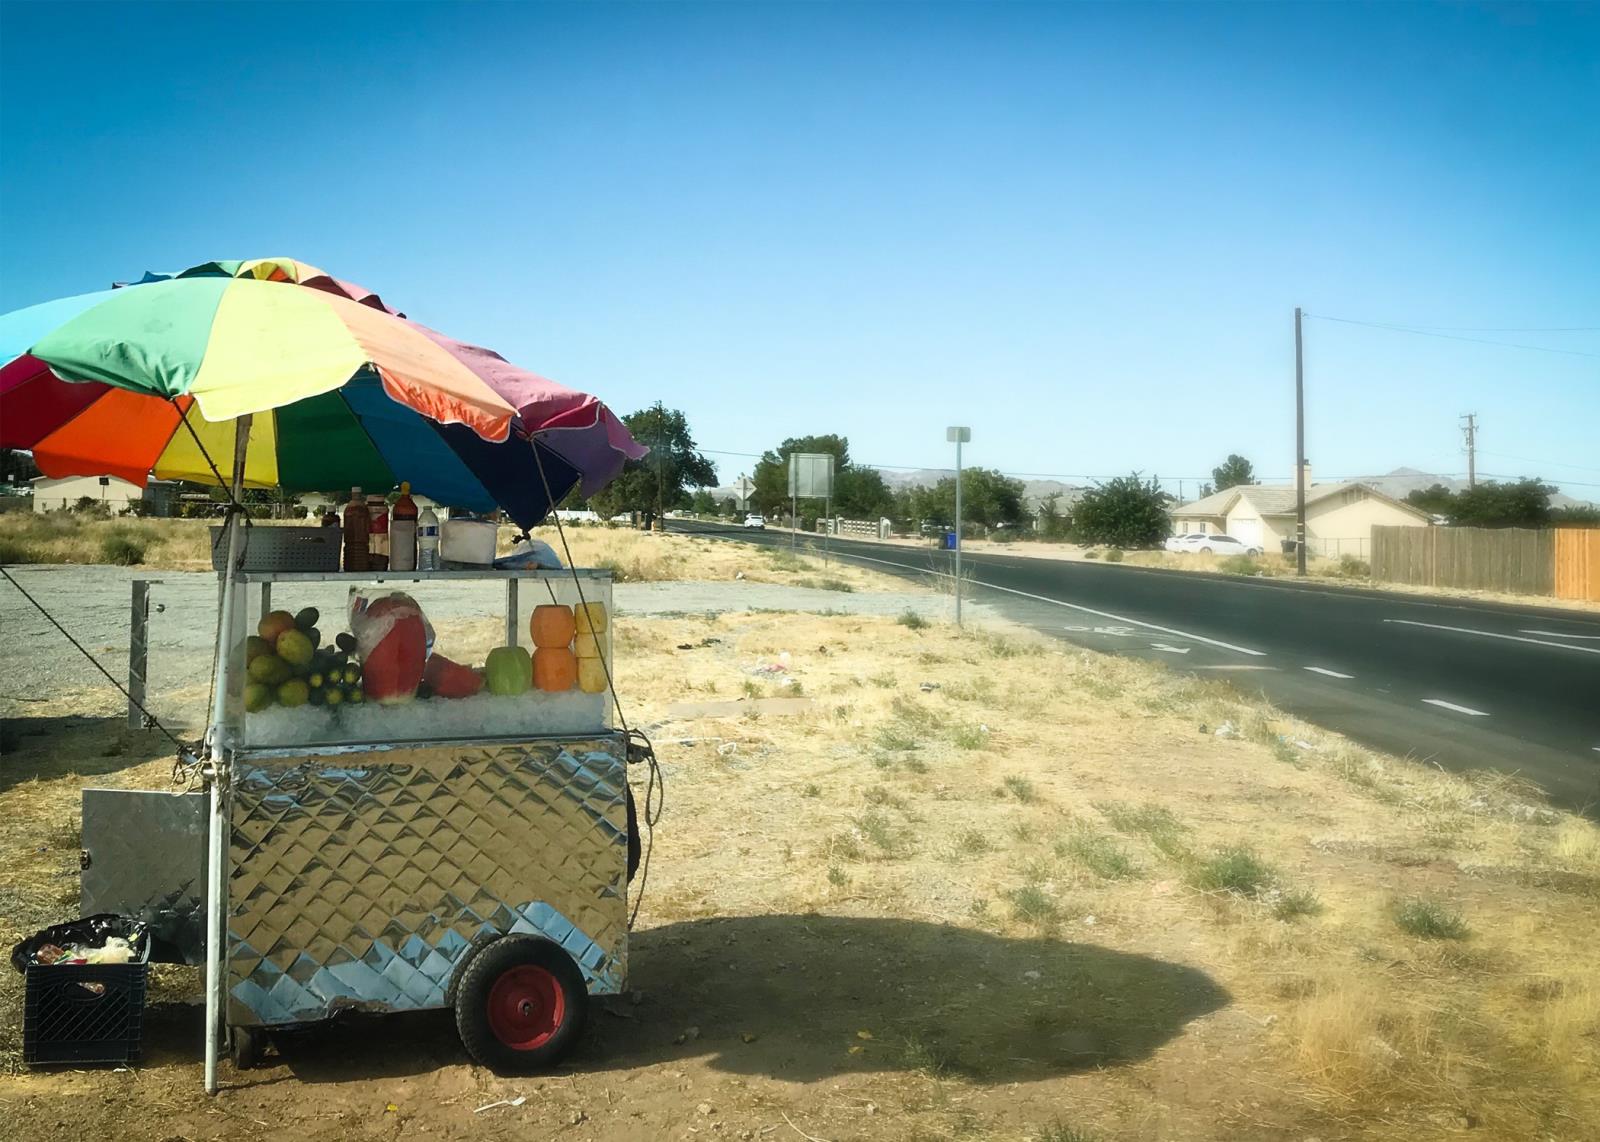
{"type": "Point", "coordinates": [1080, 229]}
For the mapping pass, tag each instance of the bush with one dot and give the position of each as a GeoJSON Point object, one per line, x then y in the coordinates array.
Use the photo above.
{"type": "Point", "coordinates": [14, 552]}
{"type": "Point", "coordinates": [89, 506]}
{"type": "Point", "coordinates": [1354, 568]}
{"type": "Point", "coordinates": [1091, 554]}
{"type": "Point", "coordinates": [1237, 870]}
{"type": "Point", "coordinates": [1114, 555]}
{"type": "Point", "coordinates": [1239, 565]}
{"type": "Point", "coordinates": [911, 620]}
{"type": "Point", "coordinates": [1125, 512]}
{"type": "Point", "coordinates": [1430, 919]}
{"type": "Point", "coordinates": [123, 550]}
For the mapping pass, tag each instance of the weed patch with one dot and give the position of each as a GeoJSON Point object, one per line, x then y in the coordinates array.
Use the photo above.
{"type": "Point", "coordinates": [1429, 919]}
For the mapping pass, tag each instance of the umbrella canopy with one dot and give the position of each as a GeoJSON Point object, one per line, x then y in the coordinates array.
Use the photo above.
{"type": "Point", "coordinates": [147, 379]}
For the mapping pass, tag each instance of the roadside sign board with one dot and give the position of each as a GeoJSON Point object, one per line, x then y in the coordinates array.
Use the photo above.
{"type": "Point", "coordinates": [811, 475]}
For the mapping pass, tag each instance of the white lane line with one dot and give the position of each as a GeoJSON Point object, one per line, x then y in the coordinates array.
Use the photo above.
{"type": "Point", "coordinates": [1243, 666]}
{"type": "Point", "coordinates": [1494, 634]}
{"type": "Point", "coordinates": [1329, 673]}
{"type": "Point", "coordinates": [1458, 709]}
{"type": "Point", "coordinates": [1563, 634]}
{"type": "Point", "coordinates": [1085, 610]}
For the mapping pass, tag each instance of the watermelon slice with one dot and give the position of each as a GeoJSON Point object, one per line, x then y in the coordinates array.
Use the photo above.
{"type": "Point", "coordinates": [451, 679]}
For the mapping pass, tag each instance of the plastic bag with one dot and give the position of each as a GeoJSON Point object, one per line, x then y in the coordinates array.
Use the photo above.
{"type": "Point", "coordinates": [369, 629]}
{"type": "Point", "coordinates": [103, 938]}
{"type": "Point", "coordinates": [530, 554]}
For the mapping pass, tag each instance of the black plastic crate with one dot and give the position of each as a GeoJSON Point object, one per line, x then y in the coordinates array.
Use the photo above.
{"type": "Point", "coordinates": [83, 1013]}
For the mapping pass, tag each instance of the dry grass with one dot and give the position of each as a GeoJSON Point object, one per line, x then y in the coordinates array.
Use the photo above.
{"type": "Point", "coordinates": [1098, 814]}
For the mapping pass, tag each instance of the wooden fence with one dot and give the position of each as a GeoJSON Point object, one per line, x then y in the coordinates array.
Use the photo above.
{"type": "Point", "coordinates": [1564, 562]}
{"type": "Point", "coordinates": [1578, 563]}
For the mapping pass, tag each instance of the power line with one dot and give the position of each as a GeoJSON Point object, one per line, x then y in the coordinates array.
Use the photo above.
{"type": "Point", "coordinates": [1421, 332]}
{"type": "Point", "coordinates": [1530, 460]}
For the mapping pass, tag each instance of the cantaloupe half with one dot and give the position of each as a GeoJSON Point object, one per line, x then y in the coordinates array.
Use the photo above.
{"type": "Point", "coordinates": [555, 668]}
{"type": "Point", "coordinates": [552, 625]}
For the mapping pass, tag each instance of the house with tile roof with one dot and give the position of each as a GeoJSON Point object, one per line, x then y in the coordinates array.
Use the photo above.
{"type": "Point", "coordinates": [1339, 517]}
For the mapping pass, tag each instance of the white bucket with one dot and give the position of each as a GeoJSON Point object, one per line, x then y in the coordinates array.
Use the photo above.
{"type": "Point", "coordinates": [467, 541]}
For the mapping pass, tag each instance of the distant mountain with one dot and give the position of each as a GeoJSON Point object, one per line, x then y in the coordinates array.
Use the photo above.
{"type": "Point", "coordinates": [1403, 481]}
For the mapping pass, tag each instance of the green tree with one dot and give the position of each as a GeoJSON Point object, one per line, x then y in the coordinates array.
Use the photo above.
{"type": "Point", "coordinates": [703, 502]}
{"type": "Point", "coordinates": [987, 498]}
{"type": "Point", "coordinates": [661, 481]}
{"type": "Point", "coordinates": [1235, 470]}
{"type": "Point", "coordinates": [771, 474]}
{"type": "Point", "coordinates": [1576, 515]}
{"type": "Point", "coordinates": [860, 493]}
{"type": "Point", "coordinates": [1525, 503]}
{"type": "Point", "coordinates": [1054, 520]}
{"type": "Point", "coordinates": [17, 467]}
{"type": "Point", "coordinates": [1436, 500]}
{"type": "Point", "coordinates": [1125, 512]}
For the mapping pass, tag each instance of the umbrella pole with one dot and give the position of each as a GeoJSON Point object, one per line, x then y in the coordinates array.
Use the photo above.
{"type": "Point", "coordinates": [217, 775]}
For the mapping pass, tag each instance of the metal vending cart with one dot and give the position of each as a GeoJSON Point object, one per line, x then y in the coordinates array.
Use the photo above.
{"type": "Point", "coordinates": [463, 852]}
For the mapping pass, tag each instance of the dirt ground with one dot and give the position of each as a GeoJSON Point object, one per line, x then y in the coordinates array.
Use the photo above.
{"type": "Point", "coordinates": [980, 887]}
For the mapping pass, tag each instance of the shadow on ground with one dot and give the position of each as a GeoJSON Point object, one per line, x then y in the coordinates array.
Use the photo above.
{"type": "Point", "coordinates": [73, 743]}
{"type": "Point", "coordinates": [790, 996]}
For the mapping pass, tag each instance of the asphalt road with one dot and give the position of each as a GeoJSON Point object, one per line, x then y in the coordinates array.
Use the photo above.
{"type": "Point", "coordinates": [1464, 684]}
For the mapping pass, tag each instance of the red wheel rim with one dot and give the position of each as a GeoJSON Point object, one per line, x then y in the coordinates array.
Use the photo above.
{"type": "Point", "coordinates": [526, 1007]}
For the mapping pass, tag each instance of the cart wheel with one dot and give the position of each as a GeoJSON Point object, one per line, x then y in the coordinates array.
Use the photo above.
{"type": "Point", "coordinates": [245, 1045]}
{"type": "Point", "coordinates": [520, 1005]}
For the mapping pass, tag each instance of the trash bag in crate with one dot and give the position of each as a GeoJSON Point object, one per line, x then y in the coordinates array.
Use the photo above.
{"type": "Point", "coordinates": [84, 989]}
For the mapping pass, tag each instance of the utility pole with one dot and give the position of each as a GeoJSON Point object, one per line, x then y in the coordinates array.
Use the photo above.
{"type": "Point", "coordinates": [1299, 448]}
{"type": "Point", "coordinates": [1471, 430]}
{"type": "Point", "coordinates": [661, 521]}
{"type": "Point", "coordinates": [958, 436]}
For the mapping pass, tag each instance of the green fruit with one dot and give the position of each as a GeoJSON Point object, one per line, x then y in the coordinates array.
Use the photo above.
{"type": "Point", "coordinates": [314, 680]}
{"type": "Point", "coordinates": [294, 647]}
{"type": "Point", "coordinates": [355, 696]}
{"type": "Point", "coordinates": [293, 693]}
{"type": "Point", "coordinates": [257, 697]}
{"type": "Point", "coordinates": [269, 669]}
{"type": "Point", "coordinates": [352, 674]}
{"type": "Point", "coordinates": [334, 696]}
{"type": "Point", "coordinates": [307, 618]}
{"type": "Point", "coordinates": [254, 647]}
{"type": "Point", "coordinates": [508, 671]}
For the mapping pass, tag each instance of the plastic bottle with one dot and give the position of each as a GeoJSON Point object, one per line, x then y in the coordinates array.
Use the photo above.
{"type": "Point", "coordinates": [403, 532]}
{"type": "Point", "coordinates": [427, 541]}
{"type": "Point", "coordinates": [378, 533]}
{"type": "Point", "coordinates": [357, 523]}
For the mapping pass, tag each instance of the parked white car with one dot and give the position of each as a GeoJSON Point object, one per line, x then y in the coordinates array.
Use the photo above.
{"type": "Point", "coordinates": [1218, 544]}
{"type": "Point", "coordinates": [1182, 542]}
{"type": "Point", "coordinates": [756, 521]}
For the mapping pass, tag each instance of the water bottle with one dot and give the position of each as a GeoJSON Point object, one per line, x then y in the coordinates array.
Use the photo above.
{"type": "Point", "coordinates": [427, 541]}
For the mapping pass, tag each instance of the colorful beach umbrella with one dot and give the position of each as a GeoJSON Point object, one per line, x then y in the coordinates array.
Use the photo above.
{"type": "Point", "coordinates": [147, 379]}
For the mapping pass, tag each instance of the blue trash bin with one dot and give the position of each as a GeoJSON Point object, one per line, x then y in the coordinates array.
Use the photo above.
{"type": "Point", "coordinates": [949, 541]}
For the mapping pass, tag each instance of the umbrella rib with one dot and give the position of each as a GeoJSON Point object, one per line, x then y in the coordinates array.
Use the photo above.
{"type": "Point", "coordinates": [227, 490]}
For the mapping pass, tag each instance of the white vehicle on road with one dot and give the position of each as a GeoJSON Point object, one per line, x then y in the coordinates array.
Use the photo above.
{"type": "Point", "coordinates": [1218, 544]}
{"type": "Point", "coordinates": [756, 521]}
{"type": "Point", "coordinates": [1183, 542]}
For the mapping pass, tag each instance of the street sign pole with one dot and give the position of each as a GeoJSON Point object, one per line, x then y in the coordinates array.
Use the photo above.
{"type": "Point", "coordinates": [959, 436]}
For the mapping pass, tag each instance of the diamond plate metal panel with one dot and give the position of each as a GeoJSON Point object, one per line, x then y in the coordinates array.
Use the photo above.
{"type": "Point", "coordinates": [360, 880]}
{"type": "Point", "coordinates": [147, 858]}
